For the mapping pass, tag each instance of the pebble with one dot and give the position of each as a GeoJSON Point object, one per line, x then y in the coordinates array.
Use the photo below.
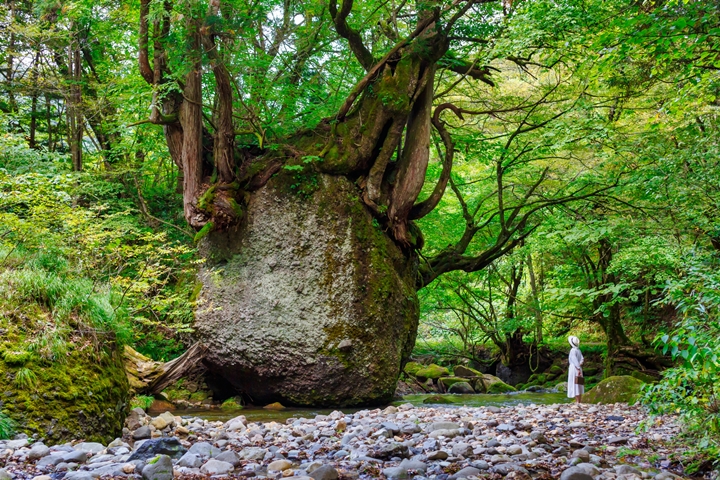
{"type": "Point", "coordinates": [425, 443]}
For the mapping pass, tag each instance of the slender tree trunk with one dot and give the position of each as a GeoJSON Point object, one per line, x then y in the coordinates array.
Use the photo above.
{"type": "Point", "coordinates": [74, 100]}
{"type": "Point", "coordinates": [535, 301]}
{"type": "Point", "coordinates": [191, 119]}
{"type": "Point", "coordinates": [34, 99]}
{"type": "Point", "coordinates": [10, 72]}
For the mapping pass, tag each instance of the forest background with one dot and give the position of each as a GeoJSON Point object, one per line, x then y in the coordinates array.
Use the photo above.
{"type": "Point", "coordinates": [599, 118]}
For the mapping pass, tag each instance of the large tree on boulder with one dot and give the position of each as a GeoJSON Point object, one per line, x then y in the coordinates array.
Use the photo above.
{"type": "Point", "coordinates": [303, 133]}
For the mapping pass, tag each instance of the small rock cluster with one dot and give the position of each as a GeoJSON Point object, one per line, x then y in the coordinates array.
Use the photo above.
{"type": "Point", "coordinates": [566, 441]}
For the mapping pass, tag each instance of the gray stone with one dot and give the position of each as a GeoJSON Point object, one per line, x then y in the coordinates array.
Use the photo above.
{"type": "Point", "coordinates": [395, 472]}
{"type": "Point", "coordinates": [465, 472]}
{"type": "Point", "coordinates": [538, 437]}
{"type": "Point", "coordinates": [588, 468]}
{"type": "Point", "coordinates": [90, 447]}
{"type": "Point", "coordinates": [481, 465]}
{"type": "Point", "coordinates": [204, 449]}
{"type": "Point", "coordinates": [462, 449]}
{"type": "Point", "coordinates": [142, 433]}
{"type": "Point", "coordinates": [442, 426]}
{"type": "Point", "coordinates": [274, 303]}
{"type": "Point", "coordinates": [615, 440]}
{"type": "Point", "coordinates": [15, 444]}
{"type": "Point", "coordinates": [666, 476]}
{"type": "Point", "coordinates": [506, 427]}
{"type": "Point", "coordinates": [514, 450]}
{"type": "Point", "coordinates": [169, 446]}
{"type": "Point", "coordinates": [81, 475]}
{"type": "Point", "coordinates": [229, 456]}
{"type": "Point", "coordinates": [77, 456]}
{"type": "Point", "coordinates": [112, 470]}
{"type": "Point", "coordinates": [391, 427]}
{"type": "Point", "coordinates": [626, 469]}
{"type": "Point", "coordinates": [252, 453]}
{"type": "Point", "coordinates": [38, 451]}
{"type": "Point", "coordinates": [505, 468]}
{"type": "Point", "coordinates": [390, 450]}
{"type": "Point", "coordinates": [4, 475]}
{"type": "Point", "coordinates": [326, 472]}
{"type": "Point", "coordinates": [575, 473]}
{"type": "Point", "coordinates": [217, 467]}
{"type": "Point", "coordinates": [51, 460]}
{"type": "Point", "coordinates": [410, 428]}
{"type": "Point", "coordinates": [437, 455]}
{"type": "Point", "coordinates": [582, 454]}
{"type": "Point", "coordinates": [452, 433]}
{"type": "Point", "coordinates": [160, 469]}
{"type": "Point", "coordinates": [101, 459]}
{"type": "Point", "coordinates": [415, 465]}
{"type": "Point", "coordinates": [190, 460]}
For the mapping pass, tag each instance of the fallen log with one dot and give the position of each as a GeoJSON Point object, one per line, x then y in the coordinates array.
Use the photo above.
{"type": "Point", "coordinates": [147, 376]}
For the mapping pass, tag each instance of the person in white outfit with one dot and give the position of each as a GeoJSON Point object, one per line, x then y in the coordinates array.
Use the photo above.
{"type": "Point", "coordinates": [576, 360]}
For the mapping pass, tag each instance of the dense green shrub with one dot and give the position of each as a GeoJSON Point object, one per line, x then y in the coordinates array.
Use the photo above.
{"type": "Point", "coordinates": [692, 388]}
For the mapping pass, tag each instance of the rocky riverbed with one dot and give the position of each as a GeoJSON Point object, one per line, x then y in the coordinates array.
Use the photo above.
{"type": "Point", "coordinates": [566, 441]}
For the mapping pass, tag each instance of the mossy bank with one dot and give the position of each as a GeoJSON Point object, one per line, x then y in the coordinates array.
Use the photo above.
{"type": "Point", "coordinates": [84, 396]}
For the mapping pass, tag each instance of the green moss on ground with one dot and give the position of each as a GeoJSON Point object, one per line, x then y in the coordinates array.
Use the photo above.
{"type": "Point", "coordinates": [232, 404]}
{"type": "Point", "coordinates": [618, 389]}
{"type": "Point", "coordinates": [85, 396]}
{"type": "Point", "coordinates": [59, 380]}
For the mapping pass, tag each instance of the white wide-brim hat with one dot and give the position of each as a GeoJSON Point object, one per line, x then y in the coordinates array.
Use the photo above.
{"type": "Point", "coordinates": [574, 341]}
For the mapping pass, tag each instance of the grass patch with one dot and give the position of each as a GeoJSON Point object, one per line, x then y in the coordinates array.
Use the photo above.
{"type": "Point", "coordinates": [142, 401]}
{"type": "Point", "coordinates": [25, 378]}
{"type": "Point", "coordinates": [7, 427]}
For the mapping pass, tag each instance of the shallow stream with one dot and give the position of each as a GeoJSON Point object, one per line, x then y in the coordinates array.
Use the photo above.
{"type": "Point", "coordinates": [258, 414]}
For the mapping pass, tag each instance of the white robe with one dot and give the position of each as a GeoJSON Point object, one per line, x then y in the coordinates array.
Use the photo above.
{"type": "Point", "coordinates": [576, 361]}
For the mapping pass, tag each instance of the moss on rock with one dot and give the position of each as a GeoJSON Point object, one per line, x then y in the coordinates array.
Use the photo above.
{"type": "Point", "coordinates": [643, 377]}
{"type": "Point", "coordinates": [432, 371]}
{"type": "Point", "coordinates": [461, 388]}
{"type": "Point", "coordinates": [450, 381]}
{"type": "Point", "coordinates": [411, 368]}
{"type": "Point", "coordinates": [493, 384]}
{"type": "Point", "coordinates": [463, 371]}
{"type": "Point", "coordinates": [437, 399]}
{"type": "Point", "coordinates": [618, 389]}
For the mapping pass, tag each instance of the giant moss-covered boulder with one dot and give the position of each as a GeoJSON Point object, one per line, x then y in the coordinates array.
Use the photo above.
{"type": "Point", "coordinates": [83, 395]}
{"type": "Point", "coordinates": [307, 301]}
{"type": "Point", "coordinates": [619, 389]}
{"type": "Point", "coordinates": [432, 371]}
